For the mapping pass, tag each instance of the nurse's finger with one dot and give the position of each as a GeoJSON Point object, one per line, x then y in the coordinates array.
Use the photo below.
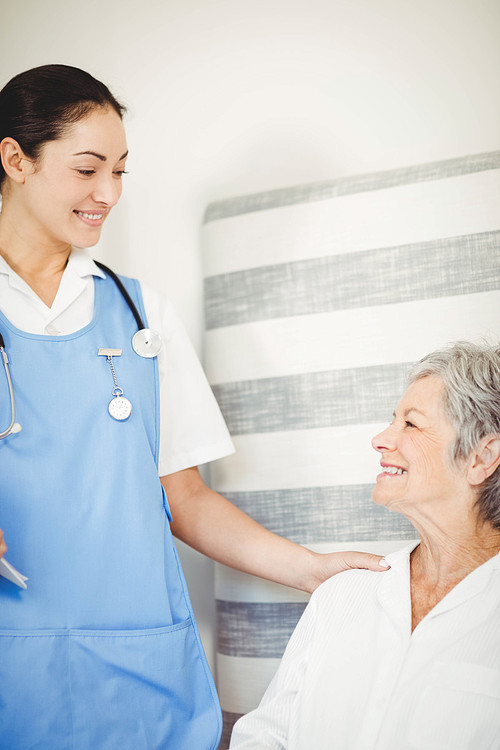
{"type": "Point", "coordinates": [332, 563]}
{"type": "Point", "coordinates": [366, 560]}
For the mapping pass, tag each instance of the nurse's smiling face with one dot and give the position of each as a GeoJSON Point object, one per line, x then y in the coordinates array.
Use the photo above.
{"type": "Point", "coordinates": [418, 474]}
{"type": "Point", "coordinates": [77, 179]}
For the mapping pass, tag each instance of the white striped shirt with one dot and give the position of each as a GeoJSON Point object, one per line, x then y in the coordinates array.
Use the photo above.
{"type": "Point", "coordinates": [354, 676]}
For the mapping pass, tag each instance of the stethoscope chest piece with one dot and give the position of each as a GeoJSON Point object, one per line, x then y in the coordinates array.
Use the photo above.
{"type": "Point", "coordinates": [146, 343]}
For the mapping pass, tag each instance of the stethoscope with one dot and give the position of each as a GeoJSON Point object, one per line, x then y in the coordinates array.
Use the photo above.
{"type": "Point", "coordinates": [14, 426]}
{"type": "Point", "coordinates": [145, 342]}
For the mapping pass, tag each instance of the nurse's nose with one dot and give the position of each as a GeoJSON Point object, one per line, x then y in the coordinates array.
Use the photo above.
{"type": "Point", "coordinates": [108, 190]}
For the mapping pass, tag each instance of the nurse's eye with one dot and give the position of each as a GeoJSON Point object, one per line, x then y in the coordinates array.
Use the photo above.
{"type": "Point", "coordinates": [86, 172]}
{"type": "Point", "coordinates": [120, 172]}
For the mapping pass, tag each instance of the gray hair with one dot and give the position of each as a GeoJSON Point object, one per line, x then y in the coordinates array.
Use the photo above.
{"type": "Point", "coordinates": [471, 377]}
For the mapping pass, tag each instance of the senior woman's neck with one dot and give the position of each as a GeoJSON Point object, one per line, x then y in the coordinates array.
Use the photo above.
{"type": "Point", "coordinates": [443, 559]}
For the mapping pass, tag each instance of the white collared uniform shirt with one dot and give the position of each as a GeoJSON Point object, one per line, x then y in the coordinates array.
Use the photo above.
{"type": "Point", "coordinates": [192, 430]}
{"type": "Point", "coordinates": [354, 676]}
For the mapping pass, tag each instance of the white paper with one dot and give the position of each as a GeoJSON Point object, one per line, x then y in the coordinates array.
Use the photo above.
{"type": "Point", "coordinates": [8, 571]}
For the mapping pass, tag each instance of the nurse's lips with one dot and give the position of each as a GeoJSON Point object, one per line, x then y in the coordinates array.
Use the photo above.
{"type": "Point", "coordinates": [93, 218]}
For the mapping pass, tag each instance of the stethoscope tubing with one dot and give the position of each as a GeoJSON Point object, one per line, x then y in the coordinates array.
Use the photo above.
{"type": "Point", "coordinates": [126, 295]}
{"type": "Point", "coordinates": [145, 342]}
{"type": "Point", "coordinates": [11, 428]}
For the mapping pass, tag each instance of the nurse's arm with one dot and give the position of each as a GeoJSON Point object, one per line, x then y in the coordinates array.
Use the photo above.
{"type": "Point", "coordinates": [209, 523]}
{"type": "Point", "coordinates": [3, 546]}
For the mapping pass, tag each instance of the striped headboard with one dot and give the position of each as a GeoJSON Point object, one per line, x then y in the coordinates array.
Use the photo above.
{"type": "Point", "coordinates": [317, 298]}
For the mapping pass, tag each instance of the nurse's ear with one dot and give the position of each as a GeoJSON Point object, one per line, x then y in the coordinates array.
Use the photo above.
{"type": "Point", "coordinates": [14, 161]}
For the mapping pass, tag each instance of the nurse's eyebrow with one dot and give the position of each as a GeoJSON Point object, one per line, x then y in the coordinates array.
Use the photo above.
{"type": "Point", "coordinates": [99, 156]}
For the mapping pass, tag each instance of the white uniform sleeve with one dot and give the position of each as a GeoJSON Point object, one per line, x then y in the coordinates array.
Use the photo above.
{"type": "Point", "coordinates": [192, 429]}
{"type": "Point", "coordinates": [268, 726]}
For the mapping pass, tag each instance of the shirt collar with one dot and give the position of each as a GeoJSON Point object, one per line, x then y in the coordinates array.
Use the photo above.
{"type": "Point", "coordinates": [5, 269]}
{"type": "Point", "coordinates": [82, 264]}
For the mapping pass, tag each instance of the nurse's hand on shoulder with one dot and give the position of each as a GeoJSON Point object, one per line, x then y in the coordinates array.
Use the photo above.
{"type": "Point", "coordinates": [215, 527]}
{"type": "Point", "coordinates": [3, 546]}
{"type": "Point", "coordinates": [328, 565]}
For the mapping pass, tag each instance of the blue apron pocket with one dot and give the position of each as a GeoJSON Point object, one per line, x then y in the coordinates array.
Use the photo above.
{"type": "Point", "coordinates": [142, 690]}
{"type": "Point", "coordinates": [35, 711]}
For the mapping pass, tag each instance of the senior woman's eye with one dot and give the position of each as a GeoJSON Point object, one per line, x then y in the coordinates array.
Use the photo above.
{"type": "Point", "coordinates": [409, 424]}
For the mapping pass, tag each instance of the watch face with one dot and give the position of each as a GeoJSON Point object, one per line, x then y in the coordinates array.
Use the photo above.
{"type": "Point", "coordinates": [120, 408]}
{"type": "Point", "coordinates": [146, 343]}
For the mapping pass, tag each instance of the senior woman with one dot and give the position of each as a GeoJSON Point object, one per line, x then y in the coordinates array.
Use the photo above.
{"type": "Point", "coordinates": [410, 659]}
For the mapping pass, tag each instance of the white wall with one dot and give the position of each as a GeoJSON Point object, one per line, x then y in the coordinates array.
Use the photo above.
{"type": "Point", "coordinates": [233, 96]}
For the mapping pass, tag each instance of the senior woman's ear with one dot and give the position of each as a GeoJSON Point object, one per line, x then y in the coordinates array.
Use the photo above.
{"type": "Point", "coordinates": [484, 460]}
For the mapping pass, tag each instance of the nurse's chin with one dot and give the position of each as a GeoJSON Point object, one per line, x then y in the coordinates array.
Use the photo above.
{"type": "Point", "coordinates": [86, 239]}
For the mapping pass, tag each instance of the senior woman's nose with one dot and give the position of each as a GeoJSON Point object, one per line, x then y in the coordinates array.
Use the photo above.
{"type": "Point", "coordinates": [383, 441]}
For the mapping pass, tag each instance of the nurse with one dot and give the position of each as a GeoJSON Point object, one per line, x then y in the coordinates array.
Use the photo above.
{"type": "Point", "coordinates": [102, 650]}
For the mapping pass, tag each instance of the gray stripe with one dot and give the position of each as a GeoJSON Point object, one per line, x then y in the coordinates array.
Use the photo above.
{"type": "Point", "coordinates": [312, 400]}
{"type": "Point", "coordinates": [310, 515]}
{"type": "Point", "coordinates": [259, 629]}
{"type": "Point", "coordinates": [317, 191]}
{"type": "Point", "coordinates": [383, 276]}
{"type": "Point", "coordinates": [229, 720]}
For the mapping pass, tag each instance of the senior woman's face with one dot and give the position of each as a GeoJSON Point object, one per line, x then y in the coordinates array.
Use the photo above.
{"type": "Point", "coordinates": [415, 452]}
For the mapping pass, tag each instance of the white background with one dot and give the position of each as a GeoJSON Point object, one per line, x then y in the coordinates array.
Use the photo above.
{"type": "Point", "coordinates": [234, 96]}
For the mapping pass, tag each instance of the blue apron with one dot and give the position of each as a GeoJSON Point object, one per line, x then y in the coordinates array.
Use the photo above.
{"type": "Point", "coordinates": [102, 651]}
